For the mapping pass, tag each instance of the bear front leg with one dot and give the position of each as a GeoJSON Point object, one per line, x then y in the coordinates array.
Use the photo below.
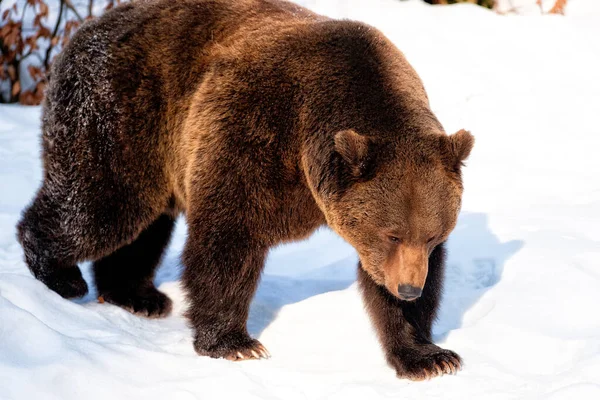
{"type": "Point", "coordinates": [407, 345]}
{"type": "Point", "coordinates": [222, 269]}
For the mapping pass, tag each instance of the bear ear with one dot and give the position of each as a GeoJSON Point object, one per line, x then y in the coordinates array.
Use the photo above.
{"type": "Point", "coordinates": [354, 149]}
{"type": "Point", "coordinates": [460, 145]}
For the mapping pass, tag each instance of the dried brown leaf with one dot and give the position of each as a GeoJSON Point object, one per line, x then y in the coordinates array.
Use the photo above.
{"type": "Point", "coordinates": [12, 73]}
{"type": "Point", "coordinates": [26, 98]}
{"type": "Point", "coordinates": [35, 72]}
{"type": "Point", "coordinates": [16, 88]}
{"type": "Point", "coordinates": [44, 32]}
{"type": "Point", "coordinates": [559, 7]}
{"type": "Point", "coordinates": [43, 9]}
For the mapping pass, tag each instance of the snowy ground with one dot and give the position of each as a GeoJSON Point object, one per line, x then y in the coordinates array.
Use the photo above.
{"type": "Point", "coordinates": [523, 282]}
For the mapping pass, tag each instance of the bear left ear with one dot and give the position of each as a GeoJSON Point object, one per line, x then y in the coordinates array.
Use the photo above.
{"type": "Point", "coordinates": [460, 145]}
{"type": "Point", "coordinates": [354, 149]}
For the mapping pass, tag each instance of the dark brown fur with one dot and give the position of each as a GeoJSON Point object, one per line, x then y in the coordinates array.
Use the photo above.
{"type": "Point", "coordinates": [261, 121]}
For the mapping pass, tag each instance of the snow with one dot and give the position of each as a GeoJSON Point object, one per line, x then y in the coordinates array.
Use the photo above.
{"type": "Point", "coordinates": [523, 278]}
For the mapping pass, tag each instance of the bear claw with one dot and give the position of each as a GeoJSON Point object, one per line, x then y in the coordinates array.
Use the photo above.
{"type": "Point", "coordinates": [255, 351]}
{"type": "Point", "coordinates": [425, 362]}
{"type": "Point", "coordinates": [239, 348]}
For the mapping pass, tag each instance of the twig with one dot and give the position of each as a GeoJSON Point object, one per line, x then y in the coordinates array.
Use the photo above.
{"type": "Point", "coordinates": [54, 33]}
{"type": "Point", "coordinates": [23, 12]}
{"type": "Point", "coordinates": [71, 7]}
{"type": "Point", "coordinates": [539, 3]}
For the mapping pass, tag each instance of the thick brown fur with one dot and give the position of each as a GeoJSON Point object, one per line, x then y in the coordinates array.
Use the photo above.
{"type": "Point", "coordinates": [261, 121]}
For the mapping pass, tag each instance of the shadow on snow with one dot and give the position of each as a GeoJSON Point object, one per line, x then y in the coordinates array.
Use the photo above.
{"type": "Point", "coordinates": [475, 264]}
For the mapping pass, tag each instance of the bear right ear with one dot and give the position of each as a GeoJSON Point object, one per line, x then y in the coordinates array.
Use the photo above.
{"type": "Point", "coordinates": [354, 149]}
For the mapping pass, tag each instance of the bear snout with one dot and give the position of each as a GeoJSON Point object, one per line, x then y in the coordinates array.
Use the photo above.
{"type": "Point", "coordinates": [405, 271]}
{"type": "Point", "coordinates": [409, 292]}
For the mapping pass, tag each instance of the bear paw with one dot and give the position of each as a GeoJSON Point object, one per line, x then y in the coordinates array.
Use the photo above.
{"type": "Point", "coordinates": [424, 362]}
{"type": "Point", "coordinates": [67, 282]}
{"type": "Point", "coordinates": [146, 302]}
{"type": "Point", "coordinates": [237, 348]}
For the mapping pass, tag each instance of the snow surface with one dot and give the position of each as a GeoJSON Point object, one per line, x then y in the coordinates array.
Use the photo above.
{"type": "Point", "coordinates": [523, 278]}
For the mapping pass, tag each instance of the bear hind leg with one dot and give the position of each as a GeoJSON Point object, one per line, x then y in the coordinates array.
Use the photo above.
{"type": "Point", "coordinates": [124, 278]}
{"type": "Point", "coordinates": [49, 253]}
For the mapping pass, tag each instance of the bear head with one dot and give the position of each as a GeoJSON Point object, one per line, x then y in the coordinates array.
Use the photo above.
{"type": "Point", "coordinates": [394, 201]}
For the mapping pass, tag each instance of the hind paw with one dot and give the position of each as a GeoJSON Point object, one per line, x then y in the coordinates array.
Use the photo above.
{"type": "Point", "coordinates": [146, 302]}
{"type": "Point", "coordinates": [67, 282]}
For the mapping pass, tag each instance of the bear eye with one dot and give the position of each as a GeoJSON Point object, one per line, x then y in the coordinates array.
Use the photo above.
{"type": "Point", "coordinates": [394, 239]}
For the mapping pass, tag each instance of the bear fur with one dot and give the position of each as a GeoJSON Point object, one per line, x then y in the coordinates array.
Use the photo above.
{"type": "Point", "coordinates": [260, 121]}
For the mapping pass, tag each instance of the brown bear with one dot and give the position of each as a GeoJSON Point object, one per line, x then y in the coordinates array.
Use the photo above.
{"type": "Point", "coordinates": [260, 121]}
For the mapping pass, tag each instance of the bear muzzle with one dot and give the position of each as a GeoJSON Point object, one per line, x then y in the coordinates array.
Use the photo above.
{"type": "Point", "coordinates": [406, 272]}
{"type": "Point", "coordinates": [408, 292]}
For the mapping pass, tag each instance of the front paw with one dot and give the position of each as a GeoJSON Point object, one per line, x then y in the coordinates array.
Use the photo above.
{"type": "Point", "coordinates": [236, 347]}
{"type": "Point", "coordinates": [424, 362]}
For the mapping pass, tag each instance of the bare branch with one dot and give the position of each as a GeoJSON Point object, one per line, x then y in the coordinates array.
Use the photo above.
{"type": "Point", "coordinates": [539, 3]}
{"type": "Point", "coordinates": [71, 7]}
{"type": "Point", "coordinates": [54, 33]}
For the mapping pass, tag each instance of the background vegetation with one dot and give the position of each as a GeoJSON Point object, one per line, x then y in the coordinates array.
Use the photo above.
{"type": "Point", "coordinates": [484, 3]}
{"type": "Point", "coordinates": [30, 38]}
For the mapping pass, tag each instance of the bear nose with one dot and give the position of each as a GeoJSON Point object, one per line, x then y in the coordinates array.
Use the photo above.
{"type": "Point", "coordinates": [408, 292]}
